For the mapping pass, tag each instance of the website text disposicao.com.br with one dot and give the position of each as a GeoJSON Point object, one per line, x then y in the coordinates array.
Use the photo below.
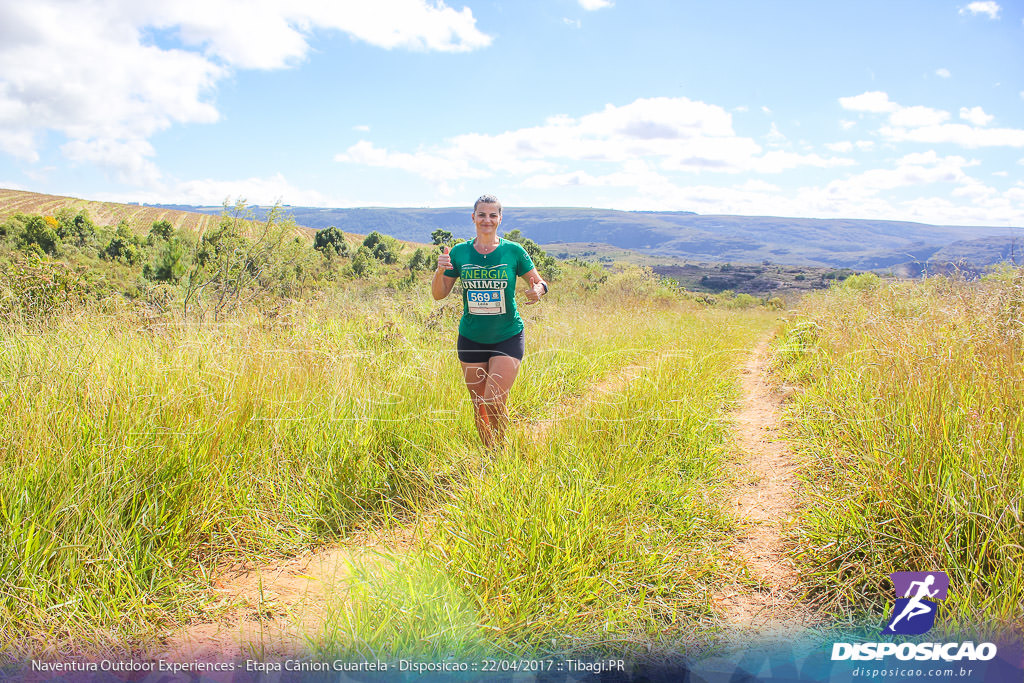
{"type": "Point", "coordinates": [903, 673]}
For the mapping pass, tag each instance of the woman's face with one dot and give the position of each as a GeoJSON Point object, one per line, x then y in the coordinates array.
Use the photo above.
{"type": "Point", "coordinates": [487, 217]}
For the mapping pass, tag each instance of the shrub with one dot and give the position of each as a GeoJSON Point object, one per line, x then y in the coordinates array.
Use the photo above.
{"type": "Point", "coordinates": [171, 261]}
{"type": "Point", "coordinates": [124, 246]}
{"type": "Point", "coordinates": [161, 230]}
{"type": "Point", "coordinates": [38, 232]}
{"type": "Point", "coordinates": [75, 228]}
{"type": "Point", "coordinates": [743, 300]}
{"type": "Point", "coordinates": [331, 241]}
{"type": "Point", "coordinates": [363, 263]}
{"type": "Point", "coordinates": [863, 282]}
{"type": "Point", "coordinates": [383, 247]}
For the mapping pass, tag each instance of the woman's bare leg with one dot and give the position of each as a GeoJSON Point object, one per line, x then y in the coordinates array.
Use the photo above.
{"type": "Point", "coordinates": [501, 375]}
{"type": "Point", "coordinates": [475, 375]}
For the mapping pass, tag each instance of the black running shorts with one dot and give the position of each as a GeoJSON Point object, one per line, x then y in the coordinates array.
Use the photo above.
{"type": "Point", "coordinates": [475, 352]}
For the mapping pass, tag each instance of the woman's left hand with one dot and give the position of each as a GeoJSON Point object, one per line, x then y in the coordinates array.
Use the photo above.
{"type": "Point", "coordinates": [533, 293]}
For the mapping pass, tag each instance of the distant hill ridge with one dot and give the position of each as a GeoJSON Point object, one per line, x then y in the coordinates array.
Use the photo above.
{"type": "Point", "coordinates": [839, 243]}
{"type": "Point", "coordinates": [908, 248]}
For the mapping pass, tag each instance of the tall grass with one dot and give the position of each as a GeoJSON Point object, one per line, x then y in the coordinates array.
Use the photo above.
{"type": "Point", "coordinates": [604, 533]}
{"type": "Point", "coordinates": [141, 457]}
{"type": "Point", "coordinates": [912, 426]}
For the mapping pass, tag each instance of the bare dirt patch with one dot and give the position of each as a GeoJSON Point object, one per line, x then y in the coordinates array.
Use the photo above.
{"type": "Point", "coordinates": [766, 601]}
{"type": "Point", "coordinates": [268, 611]}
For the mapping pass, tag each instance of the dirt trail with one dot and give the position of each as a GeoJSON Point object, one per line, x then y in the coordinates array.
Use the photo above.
{"type": "Point", "coordinates": [267, 611]}
{"type": "Point", "coordinates": [763, 504]}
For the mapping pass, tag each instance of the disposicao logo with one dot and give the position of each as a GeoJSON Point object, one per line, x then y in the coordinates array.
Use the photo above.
{"type": "Point", "coordinates": [914, 614]}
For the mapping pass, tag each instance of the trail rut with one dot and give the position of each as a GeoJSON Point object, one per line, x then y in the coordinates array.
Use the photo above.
{"type": "Point", "coordinates": [767, 603]}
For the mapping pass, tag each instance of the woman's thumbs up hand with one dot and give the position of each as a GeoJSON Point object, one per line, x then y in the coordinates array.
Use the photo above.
{"type": "Point", "coordinates": [444, 261]}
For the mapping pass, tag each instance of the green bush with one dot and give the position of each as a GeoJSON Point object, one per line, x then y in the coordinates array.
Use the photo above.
{"type": "Point", "coordinates": [75, 228]}
{"type": "Point", "coordinates": [384, 248]}
{"type": "Point", "coordinates": [38, 232]}
{"type": "Point", "coordinates": [862, 282]}
{"type": "Point", "coordinates": [331, 240]}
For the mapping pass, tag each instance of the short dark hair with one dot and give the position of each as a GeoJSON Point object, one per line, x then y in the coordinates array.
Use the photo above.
{"type": "Point", "coordinates": [487, 199]}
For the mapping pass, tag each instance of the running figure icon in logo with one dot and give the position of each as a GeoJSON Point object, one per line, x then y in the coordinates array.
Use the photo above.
{"type": "Point", "coordinates": [914, 613]}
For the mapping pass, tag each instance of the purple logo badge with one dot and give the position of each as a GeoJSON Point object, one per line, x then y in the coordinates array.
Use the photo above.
{"type": "Point", "coordinates": [915, 609]}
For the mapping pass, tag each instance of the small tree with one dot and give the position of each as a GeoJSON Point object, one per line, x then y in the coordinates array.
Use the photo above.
{"type": "Point", "coordinates": [239, 260]}
{"type": "Point", "coordinates": [384, 248]}
{"type": "Point", "coordinates": [75, 228]}
{"type": "Point", "coordinates": [331, 241]}
{"type": "Point", "coordinates": [161, 230]}
{"type": "Point", "coordinates": [441, 236]}
{"type": "Point", "coordinates": [123, 246]}
{"type": "Point", "coordinates": [38, 232]}
{"type": "Point", "coordinates": [171, 261]}
{"type": "Point", "coordinates": [363, 262]}
{"type": "Point", "coordinates": [420, 260]}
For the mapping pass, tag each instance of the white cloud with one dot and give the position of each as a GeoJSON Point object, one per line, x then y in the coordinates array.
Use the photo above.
{"type": "Point", "coordinates": [107, 88]}
{"type": "Point", "coordinates": [261, 191]}
{"type": "Point", "coordinates": [847, 125]}
{"type": "Point", "coordinates": [575, 23]}
{"type": "Point", "coordinates": [912, 170]}
{"type": "Point", "coordinates": [591, 5]}
{"type": "Point", "coordinates": [362, 128]}
{"type": "Point", "coordinates": [990, 8]}
{"type": "Point", "coordinates": [957, 134]}
{"type": "Point", "coordinates": [976, 116]}
{"type": "Point", "coordinates": [943, 73]}
{"type": "Point", "coordinates": [676, 134]}
{"type": "Point", "coordinates": [917, 116]}
{"type": "Point", "coordinates": [275, 33]}
{"type": "Point", "coordinates": [127, 159]}
{"type": "Point", "coordinates": [774, 136]}
{"type": "Point", "coordinates": [210, 192]}
{"type": "Point", "coordinates": [844, 147]}
{"type": "Point", "coordinates": [875, 102]}
{"type": "Point", "coordinates": [425, 164]}
{"type": "Point", "coordinates": [777, 161]}
{"type": "Point", "coordinates": [927, 125]}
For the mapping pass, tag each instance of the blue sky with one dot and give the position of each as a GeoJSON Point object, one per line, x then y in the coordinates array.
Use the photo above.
{"type": "Point", "coordinates": [909, 110]}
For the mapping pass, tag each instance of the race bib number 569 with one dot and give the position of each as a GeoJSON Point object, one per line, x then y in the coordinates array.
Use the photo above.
{"type": "Point", "coordinates": [486, 302]}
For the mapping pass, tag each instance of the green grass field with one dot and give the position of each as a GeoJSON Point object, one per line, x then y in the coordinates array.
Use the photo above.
{"type": "Point", "coordinates": [144, 454]}
{"type": "Point", "coordinates": [911, 426]}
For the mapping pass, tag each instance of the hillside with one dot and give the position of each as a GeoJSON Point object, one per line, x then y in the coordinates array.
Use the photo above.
{"type": "Point", "coordinates": [834, 243]}
{"type": "Point", "coordinates": [670, 239]}
{"type": "Point", "coordinates": [106, 213]}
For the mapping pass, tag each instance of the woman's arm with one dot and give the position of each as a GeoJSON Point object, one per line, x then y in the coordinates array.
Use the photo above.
{"type": "Point", "coordinates": [441, 284]}
{"type": "Point", "coordinates": [537, 287]}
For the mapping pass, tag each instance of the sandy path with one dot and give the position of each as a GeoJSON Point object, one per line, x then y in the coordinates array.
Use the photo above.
{"type": "Point", "coordinates": [267, 612]}
{"type": "Point", "coordinates": [767, 603]}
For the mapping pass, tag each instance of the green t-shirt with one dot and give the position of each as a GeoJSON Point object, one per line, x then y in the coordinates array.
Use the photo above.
{"type": "Point", "coordinates": [489, 289]}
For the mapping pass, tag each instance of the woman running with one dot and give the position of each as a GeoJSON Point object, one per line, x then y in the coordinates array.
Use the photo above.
{"type": "Point", "coordinates": [491, 343]}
